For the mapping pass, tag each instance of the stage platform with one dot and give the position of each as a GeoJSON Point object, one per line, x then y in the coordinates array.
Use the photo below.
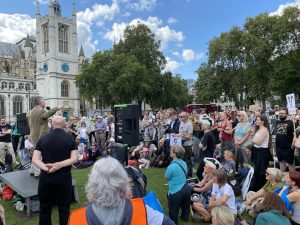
{"type": "Point", "coordinates": [27, 186]}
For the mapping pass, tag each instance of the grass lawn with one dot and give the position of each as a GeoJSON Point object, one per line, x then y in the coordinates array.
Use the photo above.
{"type": "Point", "coordinates": [156, 182]}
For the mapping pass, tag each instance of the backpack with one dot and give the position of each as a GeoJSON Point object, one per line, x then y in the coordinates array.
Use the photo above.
{"type": "Point", "coordinates": [138, 182]}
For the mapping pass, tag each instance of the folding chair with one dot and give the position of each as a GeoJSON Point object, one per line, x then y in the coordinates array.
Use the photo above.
{"type": "Point", "coordinates": [247, 183]}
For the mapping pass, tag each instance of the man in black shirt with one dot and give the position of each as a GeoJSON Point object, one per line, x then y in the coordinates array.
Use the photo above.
{"type": "Point", "coordinates": [58, 152]}
{"type": "Point", "coordinates": [207, 145]}
{"type": "Point", "coordinates": [284, 141]}
{"type": "Point", "coordinates": [5, 139]}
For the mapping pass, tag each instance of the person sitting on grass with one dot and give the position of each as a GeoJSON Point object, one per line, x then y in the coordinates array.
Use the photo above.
{"type": "Point", "coordinates": [204, 187]}
{"type": "Point", "coordinates": [274, 181]}
{"type": "Point", "coordinates": [290, 194]}
{"type": "Point", "coordinates": [229, 163]}
{"type": "Point", "coordinates": [273, 211]}
{"type": "Point", "coordinates": [222, 194]}
{"type": "Point", "coordinates": [221, 215]}
{"type": "Point", "coordinates": [94, 152]}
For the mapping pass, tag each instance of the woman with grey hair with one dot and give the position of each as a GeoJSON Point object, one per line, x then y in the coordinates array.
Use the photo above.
{"type": "Point", "coordinates": [109, 194]}
{"type": "Point", "coordinates": [179, 192]}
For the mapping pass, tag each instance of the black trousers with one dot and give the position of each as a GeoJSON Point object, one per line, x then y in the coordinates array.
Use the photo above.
{"type": "Point", "coordinates": [15, 141]}
{"type": "Point", "coordinates": [188, 159]}
{"type": "Point", "coordinates": [91, 135]}
{"type": "Point", "coordinates": [181, 199]}
{"type": "Point", "coordinates": [54, 189]}
{"type": "Point", "coordinates": [260, 158]}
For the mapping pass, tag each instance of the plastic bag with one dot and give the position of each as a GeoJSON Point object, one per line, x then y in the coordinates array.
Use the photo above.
{"type": "Point", "coordinates": [7, 193]}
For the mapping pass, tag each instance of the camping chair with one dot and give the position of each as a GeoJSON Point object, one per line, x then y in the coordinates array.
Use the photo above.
{"type": "Point", "coordinates": [247, 183]}
{"type": "Point", "coordinates": [25, 159]}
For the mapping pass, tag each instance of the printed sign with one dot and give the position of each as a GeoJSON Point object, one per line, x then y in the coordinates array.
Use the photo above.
{"type": "Point", "coordinates": [291, 103]}
{"type": "Point", "coordinates": [175, 140]}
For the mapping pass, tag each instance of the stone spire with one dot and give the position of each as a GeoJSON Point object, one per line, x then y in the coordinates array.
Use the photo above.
{"type": "Point", "coordinates": [37, 13]}
{"type": "Point", "coordinates": [74, 10]}
{"type": "Point", "coordinates": [81, 52]}
{"type": "Point", "coordinates": [28, 42]}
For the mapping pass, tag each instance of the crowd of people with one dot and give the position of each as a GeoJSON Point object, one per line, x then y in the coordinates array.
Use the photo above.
{"type": "Point", "coordinates": [216, 147]}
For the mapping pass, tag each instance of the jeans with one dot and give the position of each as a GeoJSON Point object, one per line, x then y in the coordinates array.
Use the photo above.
{"type": "Point", "coordinates": [180, 199]}
{"type": "Point", "coordinates": [54, 189]}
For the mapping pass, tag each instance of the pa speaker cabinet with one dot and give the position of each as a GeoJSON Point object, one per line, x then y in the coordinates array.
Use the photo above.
{"type": "Point", "coordinates": [127, 124]}
{"type": "Point", "coordinates": [22, 124]}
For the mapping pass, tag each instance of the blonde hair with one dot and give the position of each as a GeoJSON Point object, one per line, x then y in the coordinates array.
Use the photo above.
{"type": "Point", "coordinates": [223, 215]}
{"type": "Point", "coordinates": [178, 150]}
{"type": "Point", "coordinates": [245, 115]}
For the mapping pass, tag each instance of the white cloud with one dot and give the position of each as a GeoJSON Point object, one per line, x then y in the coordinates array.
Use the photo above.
{"type": "Point", "coordinates": [126, 14]}
{"type": "Point", "coordinates": [176, 54]}
{"type": "Point", "coordinates": [282, 7]}
{"type": "Point", "coordinates": [172, 20]}
{"type": "Point", "coordinates": [14, 27]}
{"type": "Point", "coordinates": [171, 65]}
{"type": "Point", "coordinates": [144, 5]}
{"type": "Point", "coordinates": [97, 14]}
{"type": "Point", "coordinates": [189, 55]}
{"type": "Point", "coordinates": [163, 33]}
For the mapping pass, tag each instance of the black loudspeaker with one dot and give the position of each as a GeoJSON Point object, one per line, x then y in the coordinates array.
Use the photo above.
{"type": "Point", "coordinates": [22, 124]}
{"type": "Point", "coordinates": [127, 124]}
{"type": "Point", "coordinates": [119, 152]}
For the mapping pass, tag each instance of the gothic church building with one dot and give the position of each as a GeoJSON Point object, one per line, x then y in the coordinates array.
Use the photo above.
{"type": "Point", "coordinates": [44, 65]}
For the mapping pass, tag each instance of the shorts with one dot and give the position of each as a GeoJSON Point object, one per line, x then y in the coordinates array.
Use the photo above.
{"type": "Point", "coordinates": [286, 154]}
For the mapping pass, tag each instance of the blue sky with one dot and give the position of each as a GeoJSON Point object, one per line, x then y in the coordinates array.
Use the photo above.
{"type": "Point", "coordinates": [184, 27]}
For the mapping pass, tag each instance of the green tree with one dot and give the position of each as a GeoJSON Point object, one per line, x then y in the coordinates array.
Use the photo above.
{"type": "Point", "coordinates": [139, 41]}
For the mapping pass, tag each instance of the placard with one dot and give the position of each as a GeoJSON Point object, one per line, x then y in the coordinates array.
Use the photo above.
{"type": "Point", "coordinates": [291, 104]}
{"type": "Point", "coordinates": [174, 140]}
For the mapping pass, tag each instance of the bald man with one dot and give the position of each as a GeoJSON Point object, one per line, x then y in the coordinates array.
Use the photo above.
{"type": "Point", "coordinates": [58, 152]}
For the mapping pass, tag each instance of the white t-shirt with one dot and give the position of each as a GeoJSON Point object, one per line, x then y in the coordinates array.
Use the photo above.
{"type": "Point", "coordinates": [83, 133]}
{"type": "Point", "coordinates": [225, 190]}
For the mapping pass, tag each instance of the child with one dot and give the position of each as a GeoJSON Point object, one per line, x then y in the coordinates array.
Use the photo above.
{"type": "Point", "coordinates": [247, 165]}
{"type": "Point", "coordinates": [229, 163]}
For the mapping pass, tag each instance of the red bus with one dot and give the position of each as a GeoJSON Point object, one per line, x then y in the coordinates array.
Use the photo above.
{"type": "Point", "coordinates": [199, 107]}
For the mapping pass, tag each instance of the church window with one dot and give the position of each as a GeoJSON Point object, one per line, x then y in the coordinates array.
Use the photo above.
{"type": "Point", "coordinates": [27, 87]}
{"type": "Point", "coordinates": [3, 85]}
{"type": "Point", "coordinates": [17, 105]}
{"type": "Point", "coordinates": [2, 106]}
{"type": "Point", "coordinates": [6, 67]}
{"type": "Point", "coordinates": [63, 38]}
{"type": "Point", "coordinates": [21, 86]}
{"type": "Point", "coordinates": [65, 89]}
{"type": "Point", "coordinates": [11, 85]}
{"type": "Point", "coordinates": [45, 30]}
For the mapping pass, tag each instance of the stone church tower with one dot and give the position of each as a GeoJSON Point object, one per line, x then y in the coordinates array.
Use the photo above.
{"type": "Point", "coordinates": [57, 59]}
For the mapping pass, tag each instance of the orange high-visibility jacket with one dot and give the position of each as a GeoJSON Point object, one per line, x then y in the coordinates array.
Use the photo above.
{"type": "Point", "coordinates": [139, 215]}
